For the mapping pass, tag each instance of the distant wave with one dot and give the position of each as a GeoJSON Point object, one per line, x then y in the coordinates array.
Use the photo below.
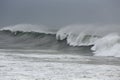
{"type": "Point", "coordinates": [102, 40]}
{"type": "Point", "coordinates": [28, 28]}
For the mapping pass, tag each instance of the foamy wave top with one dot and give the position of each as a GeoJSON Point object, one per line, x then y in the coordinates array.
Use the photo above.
{"type": "Point", "coordinates": [28, 28]}
{"type": "Point", "coordinates": [78, 35]}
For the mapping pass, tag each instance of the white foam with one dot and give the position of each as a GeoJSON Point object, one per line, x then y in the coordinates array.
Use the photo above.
{"type": "Point", "coordinates": [77, 35]}
{"type": "Point", "coordinates": [14, 67]}
{"type": "Point", "coordinates": [28, 28]}
{"type": "Point", "coordinates": [107, 46]}
{"type": "Point", "coordinates": [100, 30]}
{"type": "Point", "coordinates": [84, 35]}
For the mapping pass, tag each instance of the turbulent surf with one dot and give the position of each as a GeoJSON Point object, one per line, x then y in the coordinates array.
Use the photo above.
{"type": "Point", "coordinates": [99, 41]}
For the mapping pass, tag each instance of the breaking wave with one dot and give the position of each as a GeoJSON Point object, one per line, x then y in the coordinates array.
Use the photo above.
{"type": "Point", "coordinates": [107, 46]}
{"type": "Point", "coordinates": [77, 35]}
{"type": "Point", "coordinates": [105, 39]}
{"type": "Point", "coordinates": [96, 39]}
{"type": "Point", "coordinates": [14, 37]}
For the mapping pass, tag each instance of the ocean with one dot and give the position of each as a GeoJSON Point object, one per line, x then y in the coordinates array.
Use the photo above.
{"type": "Point", "coordinates": [29, 52]}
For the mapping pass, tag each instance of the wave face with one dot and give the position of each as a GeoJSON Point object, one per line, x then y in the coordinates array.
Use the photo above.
{"type": "Point", "coordinates": [35, 40]}
{"type": "Point", "coordinates": [83, 39]}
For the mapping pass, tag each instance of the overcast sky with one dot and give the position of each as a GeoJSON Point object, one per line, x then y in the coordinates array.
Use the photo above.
{"type": "Point", "coordinates": [59, 12]}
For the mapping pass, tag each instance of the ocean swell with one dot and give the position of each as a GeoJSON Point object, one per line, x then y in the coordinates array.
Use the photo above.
{"type": "Point", "coordinates": [102, 40]}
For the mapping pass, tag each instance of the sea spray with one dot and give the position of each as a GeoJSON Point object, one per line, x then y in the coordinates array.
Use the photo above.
{"type": "Point", "coordinates": [77, 35]}
{"type": "Point", "coordinates": [107, 46]}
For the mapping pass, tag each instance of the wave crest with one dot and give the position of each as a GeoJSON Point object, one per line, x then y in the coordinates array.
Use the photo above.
{"type": "Point", "coordinates": [28, 28]}
{"type": "Point", "coordinates": [77, 35]}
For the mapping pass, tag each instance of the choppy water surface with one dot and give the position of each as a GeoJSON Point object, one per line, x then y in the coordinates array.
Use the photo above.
{"type": "Point", "coordinates": [55, 65]}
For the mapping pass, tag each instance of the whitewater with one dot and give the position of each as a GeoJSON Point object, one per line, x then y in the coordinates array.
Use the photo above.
{"type": "Point", "coordinates": [74, 52]}
{"type": "Point", "coordinates": [103, 40]}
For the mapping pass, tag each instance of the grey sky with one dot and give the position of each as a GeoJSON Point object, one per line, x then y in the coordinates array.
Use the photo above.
{"type": "Point", "coordinates": [59, 12]}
